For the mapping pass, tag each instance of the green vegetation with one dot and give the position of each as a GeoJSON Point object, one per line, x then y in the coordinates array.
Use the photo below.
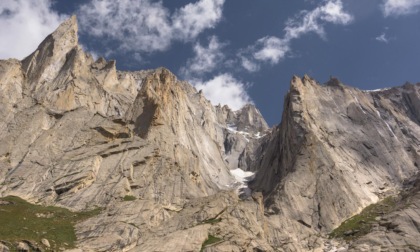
{"type": "Point", "coordinates": [20, 220]}
{"type": "Point", "coordinates": [210, 240]}
{"type": "Point", "coordinates": [212, 221]}
{"type": "Point", "coordinates": [129, 198]}
{"type": "Point", "coordinates": [361, 224]}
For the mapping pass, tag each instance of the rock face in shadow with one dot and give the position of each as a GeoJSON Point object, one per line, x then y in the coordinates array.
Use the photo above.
{"type": "Point", "coordinates": [156, 155]}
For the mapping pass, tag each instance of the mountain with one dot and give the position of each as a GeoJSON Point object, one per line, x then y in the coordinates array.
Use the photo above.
{"type": "Point", "coordinates": [168, 171]}
{"type": "Point", "coordinates": [337, 150]}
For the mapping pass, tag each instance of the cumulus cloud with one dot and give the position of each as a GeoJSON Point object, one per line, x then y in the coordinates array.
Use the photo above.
{"type": "Point", "coordinates": [224, 89]}
{"type": "Point", "coordinates": [205, 59]}
{"type": "Point", "coordinates": [272, 49]}
{"type": "Point", "coordinates": [142, 24]}
{"type": "Point", "coordinates": [24, 24]}
{"type": "Point", "coordinates": [145, 26]}
{"type": "Point", "coordinates": [400, 7]}
{"type": "Point", "coordinates": [193, 18]}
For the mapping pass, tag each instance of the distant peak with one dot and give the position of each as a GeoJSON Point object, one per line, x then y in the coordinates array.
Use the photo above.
{"type": "Point", "coordinates": [62, 40]}
{"type": "Point", "coordinates": [67, 30]}
{"type": "Point", "coordinates": [334, 82]}
{"type": "Point", "coordinates": [304, 79]}
{"type": "Point", "coordinates": [70, 22]}
{"type": "Point", "coordinates": [52, 52]}
{"type": "Point", "coordinates": [248, 106]}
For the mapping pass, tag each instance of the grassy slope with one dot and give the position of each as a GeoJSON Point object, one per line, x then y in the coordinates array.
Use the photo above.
{"type": "Point", "coordinates": [361, 224]}
{"type": "Point", "coordinates": [210, 240]}
{"type": "Point", "coordinates": [21, 220]}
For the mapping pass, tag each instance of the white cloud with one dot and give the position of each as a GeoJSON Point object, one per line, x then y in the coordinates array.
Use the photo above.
{"type": "Point", "coordinates": [249, 65]}
{"type": "Point", "coordinates": [24, 24]}
{"type": "Point", "coordinates": [382, 38]}
{"type": "Point", "coordinates": [141, 25]}
{"type": "Point", "coordinates": [193, 18]}
{"type": "Point", "coordinates": [145, 26]}
{"type": "Point", "coordinates": [400, 7]}
{"type": "Point", "coordinates": [333, 12]}
{"type": "Point", "coordinates": [273, 49]}
{"type": "Point", "coordinates": [224, 89]}
{"type": "Point", "coordinates": [268, 49]}
{"type": "Point", "coordinates": [206, 59]}
{"type": "Point", "coordinates": [313, 21]}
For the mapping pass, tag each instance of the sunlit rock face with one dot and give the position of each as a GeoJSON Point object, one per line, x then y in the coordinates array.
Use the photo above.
{"type": "Point", "coordinates": [337, 150]}
{"type": "Point", "coordinates": [80, 134]}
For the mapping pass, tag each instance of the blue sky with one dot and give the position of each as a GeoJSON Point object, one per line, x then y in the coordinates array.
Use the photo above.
{"type": "Point", "coordinates": [237, 51]}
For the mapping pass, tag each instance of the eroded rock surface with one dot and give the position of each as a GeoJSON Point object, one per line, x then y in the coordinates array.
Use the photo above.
{"type": "Point", "coordinates": [79, 134]}
{"type": "Point", "coordinates": [154, 153]}
{"type": "Point", "coordinates": [337, 150]}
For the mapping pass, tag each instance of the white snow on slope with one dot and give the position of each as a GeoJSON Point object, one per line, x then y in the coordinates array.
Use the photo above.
{"type": "Point", "coordinates": [242, 177]}
{"type": "Point", "coordinates": [246, 135]}
{"type": "Point", "coordinates": [377, 90]}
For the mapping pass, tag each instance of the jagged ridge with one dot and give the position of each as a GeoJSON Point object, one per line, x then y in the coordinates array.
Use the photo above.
{"type": "Point", "coordinates": [80, 134]}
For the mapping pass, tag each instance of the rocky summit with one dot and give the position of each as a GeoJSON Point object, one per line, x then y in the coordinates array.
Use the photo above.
{"type": "Point", "coordinates": [146, 163]}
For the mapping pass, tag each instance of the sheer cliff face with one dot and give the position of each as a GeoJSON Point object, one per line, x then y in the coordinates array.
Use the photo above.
{"type": "Point", "coordinates": [78, 133]}
{"type": "Point", "coordinates": [337, 150]}
{"type": "Point", "coordinates": [67, 108]}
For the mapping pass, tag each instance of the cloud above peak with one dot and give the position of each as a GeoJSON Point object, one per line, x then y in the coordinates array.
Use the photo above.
{"type": "Point", "coordinates": [193, 18]}
{"type": "Point", "coordinates": [146, 26]}
{"type": "Point", "coordinates": [205, 60]}
{"type": "Point", "coordinates": [23, 19]}
{"type": "Point", "coordinates": [400, 7]}
{"type": "Point", "coordinates": [224, 89]}
{"type": "Point", "coordinates": [272, 49]}
{"type": "Point", "coordinates": [331, 11]}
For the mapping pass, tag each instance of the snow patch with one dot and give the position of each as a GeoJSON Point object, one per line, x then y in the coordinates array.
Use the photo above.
{"type": "Point", "coordinates": [242, 178]}
{"type": "Point", "coordinates": [246, 135]}
{"type": "Point", "coordinates": [259, 135]}
{"type": "Point", "coordinates": [377, 90]}
{"type": "Point", "coordinates": [241, 175]}
{"type": "Point", "coordinates": [234, 130]}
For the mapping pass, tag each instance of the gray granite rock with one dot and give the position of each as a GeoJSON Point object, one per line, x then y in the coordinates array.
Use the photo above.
{"type": "Point", "coordinates": [79, 134]}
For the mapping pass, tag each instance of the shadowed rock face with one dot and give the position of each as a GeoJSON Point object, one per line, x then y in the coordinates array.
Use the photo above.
{"type": "Point", "coordinates": [78, 133]}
